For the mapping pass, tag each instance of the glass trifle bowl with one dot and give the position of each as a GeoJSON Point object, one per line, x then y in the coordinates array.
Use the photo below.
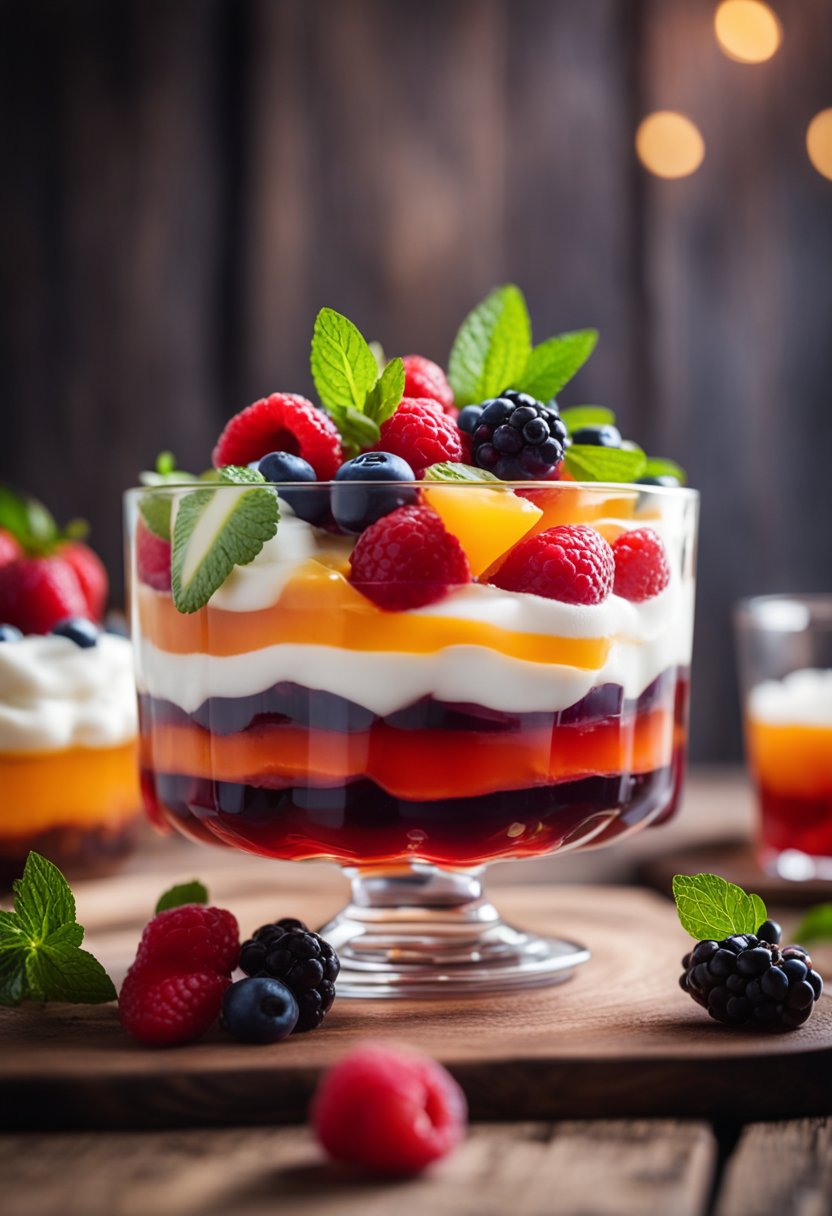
{"type": "Point", "coordinates": [307, 715]}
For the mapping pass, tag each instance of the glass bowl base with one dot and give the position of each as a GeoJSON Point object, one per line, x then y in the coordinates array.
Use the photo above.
{"type": "Point", "coordinates": [421, 932]}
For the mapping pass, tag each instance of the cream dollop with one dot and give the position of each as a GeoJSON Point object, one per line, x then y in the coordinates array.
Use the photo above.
{"type": "Point", "coordinates": [802, 698]}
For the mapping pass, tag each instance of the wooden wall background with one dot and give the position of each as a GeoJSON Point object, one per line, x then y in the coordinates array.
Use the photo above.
{"type": "Point", "coordinates": [185, 181]}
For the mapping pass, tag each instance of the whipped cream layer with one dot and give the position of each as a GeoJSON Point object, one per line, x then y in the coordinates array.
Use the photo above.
{"type": "Point", "coordinates": [56, 695]}
{"type": "Point", "coordinates": [802, 698]}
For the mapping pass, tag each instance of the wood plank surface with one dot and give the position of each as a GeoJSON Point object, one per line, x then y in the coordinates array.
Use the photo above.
{"type": "Point", "coordinates": [609, 1168]}
{"type": "Point", "coordinates": [780, 1169]}
{"type": "Point", "coordinates": [620, 1039]}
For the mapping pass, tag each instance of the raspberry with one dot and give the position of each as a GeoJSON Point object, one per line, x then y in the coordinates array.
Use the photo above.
{"type": "Point", "coordinates": [641, 566]}
{"type": "Point", "coordinates": [9, 548]}
{"type": "Point", "coordinates": [37, 592]}
{"type": "Point", "coordinates": [420, 434]}
{"type": "Point", "coordinates": [283, 422]}
{"type": "Point", "coordinates": [516, 437]}
{"type": "Point", "coordinates": [92, 576]}
{"type": "Point", "coordinates": [152, 558]}
{"type": "Point", "coordinates": [175, 1008]}
{"type": "Point", "coordinates": [388, 1110]}
{"type": "Point", "coordinates": [571, 563]}
{"type": "Point", "coordinates": [423, 378]}
{"type": "Point", "coordinates": [290, 952]}
{"type": "Point", "coordinates": [749, 980]}
{"type": "Point", "coordinates": [190, 938]}
{"type": "Point", "coordinates": [407, 559]}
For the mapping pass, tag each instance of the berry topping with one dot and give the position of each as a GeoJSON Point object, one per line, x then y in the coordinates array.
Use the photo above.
{"type": "Point", "coordinates": [518, 438]}
{"type": "Point", "coordinates": [407, 559]}
{"type": "Point", "coordinates": [283, 422]}
{"type": "Point", "coordinates": [469, 418]}
{"type": "Point", "coordinates": [9, 547]}
{"type": "Point", "coordinates": [79, 630]}
{"type": "Point", "coordinates": [571, 563]}
{"type": "Point", "coordinates": [423, 378]}
{"type": "Point", "coordinates": [259, 1010]}
{"type": "Point", "coordinates": [171, 1009]}
{"type": "Point", "coordinates": [37, 592]}
{"type": "Point", "coordinates": [300, 959]}
{"type": "Point", "coordinates": [641, 565]}
{"type": "Point", "coordinates": [92, 576]}
{"type": "Point", "coordinates": [311, 505]}
{"type": "Point", "coordinates": [190, 937]}
{"type": "Point", "coordinates": [420, 434]}
{"type": "Point", "coordinates": [152, 558]}
{"type": "Point", "coordinates": [355, 507]}
{"type": "Point", "coordinates": [747, 980]}
{"type": "Point", "coordinates": [390, 1111]}
{"type": "Point", "coordinates": [598, 436]}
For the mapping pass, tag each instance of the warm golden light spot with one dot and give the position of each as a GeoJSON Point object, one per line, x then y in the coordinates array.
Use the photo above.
{"type": "Point", "coordinates": [819, 142]}
{"type": "Point", "coordinates": [747, 30]}
{"type": "Point", "coordinates": [669, 144]}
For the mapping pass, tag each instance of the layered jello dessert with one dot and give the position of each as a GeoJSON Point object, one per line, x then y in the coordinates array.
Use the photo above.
{"type": "Point", "coordinates": [68, 782]}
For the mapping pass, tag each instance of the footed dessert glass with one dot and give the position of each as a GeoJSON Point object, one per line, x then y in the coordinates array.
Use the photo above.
{"type": "Point", "coordinates": [295, 718]}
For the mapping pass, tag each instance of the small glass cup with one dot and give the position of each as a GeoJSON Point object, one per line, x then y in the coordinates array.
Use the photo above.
{"type": "Point", "coordinates": [785, 667]}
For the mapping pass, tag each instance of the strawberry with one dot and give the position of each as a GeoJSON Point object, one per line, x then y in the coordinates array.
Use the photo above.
{"type": "Point", "coordinates": [9, 548]}
{"type": "Point", "coordinates": [91, 574]}
{"type": "Point", "coordinates": [152, 558]}
{"type": "Point", "coordinates": [37, 592]}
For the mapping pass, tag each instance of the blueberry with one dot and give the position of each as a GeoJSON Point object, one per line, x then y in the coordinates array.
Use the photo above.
{"type": "Point", "coordinates": [598, 436]}
{"type": "Point", "coordinates": [79, 630]}
{"type": "Point", "coordinates": [8, 633]}
{"type": "Point", "coordinates": [769, 931]}
{"type": "Point", "coordinates": [355, 507]}
{"type": "Point", "coordinates": [259, 1010]}
{"type": "Point", "coordinates": [469, 418]}
{"type": "Point", "coordinates": [309, 505]}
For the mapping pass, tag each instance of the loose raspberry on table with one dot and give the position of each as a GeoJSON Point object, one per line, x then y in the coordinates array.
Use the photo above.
{"type": "Point", "coordinates": [191, 937]}
{"type": "Point", "coordinates": [408, 559]}
{"type": "Point", "coordinates": [152, 558]}
{"type": "Point", "coordinates": [38, 592]}
{"type": "Point", "coordinates": [424, 378]}
{"type": "Point", "coordinates": [641, 566]}
{"type": "Point", "coordinates": [283, 422]}
{"type": "Point", "coordinates": [571, 563]}
{"type": "Point", "coordinates": [420, 434]}
{"type": "Point", "coordinates": [388, 1110]}
{"type": "Point", "coordinates": [168, 1010]}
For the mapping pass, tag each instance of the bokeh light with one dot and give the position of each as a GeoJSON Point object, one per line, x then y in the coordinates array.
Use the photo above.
{"type": "Point", "coordinates": [819, 142]}
{"type": "Point", "coordinates": [747, 30]}
{"type": "Point", "coordinates": [669, 144]}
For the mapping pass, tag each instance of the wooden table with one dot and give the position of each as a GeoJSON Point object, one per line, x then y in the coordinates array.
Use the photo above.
{"type": "Point", "coordinates": [671, 1167]}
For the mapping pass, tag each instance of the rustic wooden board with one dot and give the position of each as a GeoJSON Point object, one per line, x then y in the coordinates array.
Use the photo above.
{"type": "Point", "coordinates": [780, 1169]}
{"type": "Point", "coordinates": [620, 1039]}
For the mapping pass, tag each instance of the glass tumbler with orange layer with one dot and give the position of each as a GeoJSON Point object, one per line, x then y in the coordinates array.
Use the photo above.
{"type": "Point", "coordinates": [785, 651]}
{"type": "Point", "coordinates": [295, 718]}
{"type": "Point", "coordinates": [68, 781]}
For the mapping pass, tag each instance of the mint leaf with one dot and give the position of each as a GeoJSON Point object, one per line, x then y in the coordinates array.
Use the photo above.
{"type": "Point", "coordinates": [450, 470]}
{"type": "Point", "coordinates": [554, 362]}
{"type": "Point", "coordinates": [492, 347]}
{"type": "Point", "coordinates": [216, 530]}
{"type": "Point", "coordinates": [386, 393]}
{"type": "Point", "coordinates": [815, 925]}
{"type": "Point", "coordinates": [156, 510]}
{"type": "Point", "coordinates": [587, 415]}
{"type": "Point", "coordinates": [589, 463]}
{"type": "Point", "coordinates": [378, 355]}
{"type": "Point", "coordinates": [657, 466]}
{"type": "Point", "coordinates": [193, 892]}
{"type": "Point", "coordinates": [33, 526]}
{"type": "Point", "coordinates": [711, 908]}
{"type": "Point", "coordinates": [343, 366]}
{"type": "Point", "coordinates": [40, 957]}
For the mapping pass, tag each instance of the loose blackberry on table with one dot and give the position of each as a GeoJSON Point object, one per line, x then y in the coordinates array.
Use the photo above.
{"type": "Point", "coordinates": [288, 951]}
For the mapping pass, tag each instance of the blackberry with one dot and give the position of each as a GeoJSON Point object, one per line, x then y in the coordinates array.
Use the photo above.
{"type": "Point", "coordinates": [518, 438]}
{"type": "Point", "coordinates": [748, 980]}
{"type": "Point", "coordinates": [289, 951]}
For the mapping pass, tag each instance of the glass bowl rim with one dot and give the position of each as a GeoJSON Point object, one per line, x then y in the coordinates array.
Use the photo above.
{"type": "Point", "coordinates": [607, 487]}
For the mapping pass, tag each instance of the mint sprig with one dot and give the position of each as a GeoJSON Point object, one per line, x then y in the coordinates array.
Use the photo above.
{"type": "Point", "coordinates": [492, 347]}
{"type": "Point", "coordinates": [216, 530]}
{"type": "Point", "coordinates": [576, 416]}
{"type": "Point", "coordinates": [33, 526]}
{"type": "Point", "coordinates": [40, 954]}
{"type": "Point", "coordinates": [193, 892]}
{"type": "Point", "coordinates": [386, 393]}
{"type": "Point", "coordinates": [586, 462]}
{"type": "Point", "coordinates": [553, 363]}
{"type": "Point", "coordinates": [710, 908]}
{"type": "Point", "coordinates": [156, 509]}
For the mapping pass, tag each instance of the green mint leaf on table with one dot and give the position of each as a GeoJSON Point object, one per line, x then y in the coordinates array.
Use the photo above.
{"type": "Point", "coordinates": [216, 530]}
{"type": "Point", "coordinates": [193, 892]}
{"type": "Point", "coordinates": [815, 925]}
{"type": "Point", "coordinates": [554, 362]}
{"type": "Point", "coordinates": [450, 470]}
{"type": "Point", "coordinates": [658, 466]}
{"type": "Point", "coordinates": [709, 907]}
{"type": "Point", "coordinates": [586, 462]}
{"type": "Point", "coordinates": [387, 392]}
{"type": "Point", "coordinates": [40, 955]}
{"type": "Point", "coordinates": [577, 416]}
{"type": "Point", "coordinates": [492, 347]}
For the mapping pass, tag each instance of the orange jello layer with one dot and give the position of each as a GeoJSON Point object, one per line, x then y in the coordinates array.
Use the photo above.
{"type": "Point", "coordinates": [792, 760]}
{"type": "Point", "coordinates": [413, 764]}
{"type": "Point", "coordinates": [80, 786]}
{"type": "Point", "coordinates": [319, 606]}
